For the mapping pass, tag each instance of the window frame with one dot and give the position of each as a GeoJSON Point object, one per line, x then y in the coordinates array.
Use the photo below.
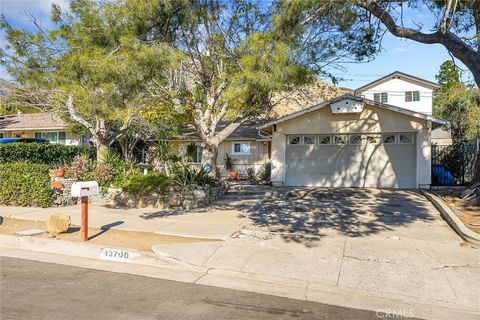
{"type": "Point", "coordinates": [405, 134]}
{"type": "Point", "coordinates": [294, 136]}
{"type": "Point", "coordinates": [352, 136]}
{"type": "Point", "coordinates": [240, 153]}
{"type": "Point", "coordinates": [312, 136]}
{"type": "Point", "coordinates": [58, 134]}
{"type": "Point", "coordinates": [320, 138]}
{"type": "Point", "coordinates": [382, 97]}
{"type": "Point", "coordinates": [410, 96]}
{"type": "Point", "coordinates": [344, 137]}
{"type": "Point", "coordinates": [384, 135]}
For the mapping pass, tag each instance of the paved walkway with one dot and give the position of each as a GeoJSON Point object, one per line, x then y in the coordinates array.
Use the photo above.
{"type": "Point", "coordinates": [388, 244]}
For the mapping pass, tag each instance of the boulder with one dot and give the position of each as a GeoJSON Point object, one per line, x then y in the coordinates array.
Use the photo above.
{"type": "Point", "coordinates": [57, 223]}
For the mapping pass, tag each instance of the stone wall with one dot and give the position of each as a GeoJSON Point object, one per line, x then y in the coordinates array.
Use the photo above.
{"type": "Point", "coordinates": [175, 198]}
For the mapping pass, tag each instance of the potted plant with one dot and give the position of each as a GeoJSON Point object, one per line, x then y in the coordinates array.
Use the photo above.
{"type": "Point", "coordinates": [58, 171]}
{"type": "Point", "coordinates": [229, 166]}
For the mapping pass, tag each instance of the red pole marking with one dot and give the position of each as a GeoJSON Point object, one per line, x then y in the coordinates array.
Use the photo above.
{"type": "Point", "coordinates": [84, 227]}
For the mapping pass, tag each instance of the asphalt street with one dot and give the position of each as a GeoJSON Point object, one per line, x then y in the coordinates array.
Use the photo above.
{"type": "Point", "coordinates": [38, 290]}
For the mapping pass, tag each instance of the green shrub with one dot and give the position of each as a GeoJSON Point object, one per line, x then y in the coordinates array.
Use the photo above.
{"type": "Point", "coordinates": [184, 175]}
{"type": "Point", "coordinates": [25, 184]}
{"type": "Point", "coordinates": [52, 154]}
{"type": "Point", "coordinates": [145, 184]}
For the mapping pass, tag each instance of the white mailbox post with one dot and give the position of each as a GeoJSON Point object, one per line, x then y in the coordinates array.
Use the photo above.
{"type": "Point", "coordinates": [84, 189]}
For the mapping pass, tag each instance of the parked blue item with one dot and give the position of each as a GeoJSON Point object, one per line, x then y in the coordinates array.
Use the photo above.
{"type": "Point", "coordinates": [442, 175]}
{"type": "Point", "coordinates": [24, 140]}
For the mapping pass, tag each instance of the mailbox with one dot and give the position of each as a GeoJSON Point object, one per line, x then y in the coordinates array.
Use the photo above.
{"type": "Point", "coordinates": [84, 188]}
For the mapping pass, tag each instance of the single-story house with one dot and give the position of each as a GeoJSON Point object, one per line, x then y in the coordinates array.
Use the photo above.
{"type": "Point", "coordinates": [43, 125]}
{"type": "Point", "coordinates": [247, 147]}
{"type": "Point", "coordinates": [380, 136]}
{"type": "Point", "coordinates": [352, 141]}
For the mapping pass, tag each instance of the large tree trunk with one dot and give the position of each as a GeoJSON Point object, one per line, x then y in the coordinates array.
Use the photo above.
{"type": "Point", "coordinates": [209, 156]}
{"type": "Point", "coordinates": [210, 145]}
{"type": "Point", "coordinates": [102, 148]}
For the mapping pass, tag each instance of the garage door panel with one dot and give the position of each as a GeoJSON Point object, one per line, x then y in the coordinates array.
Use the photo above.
{"type": "Point", "coordinates": [391, 166]}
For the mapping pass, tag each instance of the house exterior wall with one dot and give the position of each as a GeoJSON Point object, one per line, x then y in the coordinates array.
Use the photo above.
{"type": "Point", "coordinates": [396, 94]}
{"type": "Point", "coordinates": [259, 154]}
{"type": "Point", "coordinates": [371, 120]}
{"type": "Point", "coordinates": [72, 140]}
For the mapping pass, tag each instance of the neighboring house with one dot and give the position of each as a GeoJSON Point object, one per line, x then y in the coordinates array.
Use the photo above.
{"type": "Point", "coordinates": [408, 92]}
{"type": "Point", "coordinates": [37, 125]}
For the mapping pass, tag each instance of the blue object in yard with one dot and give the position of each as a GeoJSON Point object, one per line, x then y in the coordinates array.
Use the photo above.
{"type": "Point", "coordinates": [23, 140]}
{"type": "Point", "coordinates": [442, 175]}
{"type": "Point", "coordinates": [207, 168]}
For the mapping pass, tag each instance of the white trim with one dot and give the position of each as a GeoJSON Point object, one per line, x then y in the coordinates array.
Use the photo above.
{"type": "Point", "coordinates": [402, 76]}
{"type": "Point", "coordinates": [359, 99]}
{"type": "Point", "coordinates": [241, 153]}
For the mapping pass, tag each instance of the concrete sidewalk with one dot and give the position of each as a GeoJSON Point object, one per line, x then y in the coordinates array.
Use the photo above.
{"type": "Point", "coordinates": [384, 249]}
{"type": "Point", "coordinates": [220, 224]}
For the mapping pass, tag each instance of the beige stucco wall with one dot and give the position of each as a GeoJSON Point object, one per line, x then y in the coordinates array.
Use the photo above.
{"type": "Point", "coordinates": [371, 120]}
{"type": "Point", "coordinates": [69, 138]}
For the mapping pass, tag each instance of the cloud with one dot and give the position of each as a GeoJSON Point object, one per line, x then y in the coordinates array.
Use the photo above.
{"type": "Point", "coordinates": [402, 48]}
{"type": "Point", "coordinates": [17, 11]}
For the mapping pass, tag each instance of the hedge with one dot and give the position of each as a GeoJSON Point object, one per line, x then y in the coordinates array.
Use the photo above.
{"type": "Point", "coordinates": [25, 184]}
{"type": "Point", "coordinates": [51, 154]}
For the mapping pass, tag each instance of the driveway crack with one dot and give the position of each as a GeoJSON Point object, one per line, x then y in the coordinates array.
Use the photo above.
{"type": "Point", "coordinates": [203, 275]}
{"type": "Point", "coordinates": [341, 263]}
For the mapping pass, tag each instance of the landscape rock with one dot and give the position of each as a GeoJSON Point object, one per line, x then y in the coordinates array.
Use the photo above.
{"type": "Point", "coordinates": [57, 223]}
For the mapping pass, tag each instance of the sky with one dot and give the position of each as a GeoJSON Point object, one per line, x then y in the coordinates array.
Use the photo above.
{"type": "Point", "coordinates": [408, 56]}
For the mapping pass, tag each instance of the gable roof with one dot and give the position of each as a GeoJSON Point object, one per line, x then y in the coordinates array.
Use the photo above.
{"type": "Point", "coordinates": [358, 99]}
{"type": "Point", "coordinates": [403, 75]}
{"type": "Point", "coordinates": [31, 121]}
{"type": "Point", "coordinates": [247, 131]}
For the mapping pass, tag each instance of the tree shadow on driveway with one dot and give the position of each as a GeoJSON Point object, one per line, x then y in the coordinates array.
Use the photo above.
{"type": "Point", "coordinates": [303, 215]}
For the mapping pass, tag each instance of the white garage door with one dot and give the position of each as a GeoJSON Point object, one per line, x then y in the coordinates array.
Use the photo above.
{"type": "Point", "coordinates": [357, 160]}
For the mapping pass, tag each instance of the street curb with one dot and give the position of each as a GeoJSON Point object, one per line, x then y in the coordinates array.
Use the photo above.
{"type": "Point", "coordinates": [174, 234]}
{"type": "Point", "coordinates": [468, 235]}
{"type": "Point", "coordinates": [90, 251]}
{"type": "Point", "coordinates": [147, 264]}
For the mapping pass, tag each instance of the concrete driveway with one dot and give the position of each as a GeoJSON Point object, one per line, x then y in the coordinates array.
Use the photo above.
{"type": "Point", "coordinates": [388, 244]}
{"type": "Point", "coordinates": [386, 250]}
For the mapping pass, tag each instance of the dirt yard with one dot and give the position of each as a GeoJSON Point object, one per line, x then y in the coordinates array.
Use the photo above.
{"type": "Point", "coordinates": [111, 237]}
{"type": "Point", "coordinates": [468, 211]}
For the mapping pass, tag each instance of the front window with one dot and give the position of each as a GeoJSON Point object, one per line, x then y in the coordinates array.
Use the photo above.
{"type": "Point", "coordinates": [381, 97]}
{"type": "Point", "coordinates": [194, 152]}
{"type": "Point", "coordinates": [1, 135]}
{"type": "Point", "coordinates": [405, 138]}
{"type": "Point", "coordinates": [340, 139]}
{"type": "Point", "coordinates": [355, 139]}
{"type": "Point", "coordinates": [324, 139]}
{"type": "Point", "coordinates": [308, 139]}
{"type": "Point", "coordinates": [388, 138]}
{"type": "Point", "coordinates": [412, 96]}
{"type": "Point", "coordinates": [296, 140]}
{"type": "Point", "coordinates": [52, 136]}
{"type": "Point", "coordinates": [240, 148]}
{"type": "Point", "coordinates": [372, 139]}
